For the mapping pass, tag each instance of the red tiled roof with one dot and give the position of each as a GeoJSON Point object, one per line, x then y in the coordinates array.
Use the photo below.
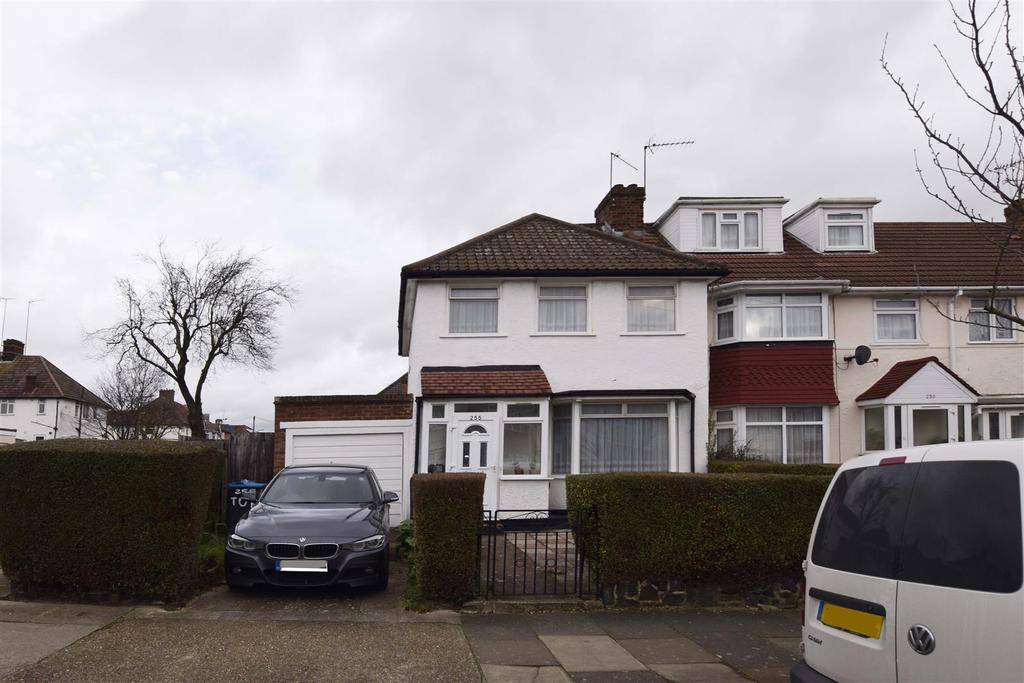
{"type": "Point", "coordinates": [900, 373]}
{"type": "Point", "coordinates": [911, 254]}
{"type": "Point", "coordinates": [162, 411]}
{"type": "Point", "coordinates": [540, 245]}
{"type": "Point", "coordinates": [36, 377]}
{"type": "Point", "coordinates": [484, 381]}
{"type": "Point", "coordinates": [785, 373]}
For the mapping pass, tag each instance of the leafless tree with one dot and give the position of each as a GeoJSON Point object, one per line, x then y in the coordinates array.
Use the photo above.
{"type": "Point", "coordinates": [964, 176]}
{"type": "Point", "coordinates": [218, 309]}
{"type": "Point", "coordinates": [131, 387]}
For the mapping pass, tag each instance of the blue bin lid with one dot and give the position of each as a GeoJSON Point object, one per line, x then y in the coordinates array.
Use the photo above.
{"type": "Point", "coordinates": [245, 484]}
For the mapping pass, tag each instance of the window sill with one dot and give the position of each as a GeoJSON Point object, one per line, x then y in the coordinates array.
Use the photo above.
{"type": "Point", "coordinates": [1001, 342]}
{"type": "Point", "coordinates": [563, 334]}
{"type": "Point", "coordinates": [900, 342]}
{"type": "Point", "coordinates": [524, 477]}
{"type": "Point", "coordinates": [652, 334]}
{"type": "Point", "coordinates": [469, 335]}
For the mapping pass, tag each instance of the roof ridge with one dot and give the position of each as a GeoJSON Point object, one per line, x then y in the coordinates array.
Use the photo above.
{"type": "Point", "coordinates": [472, 240]}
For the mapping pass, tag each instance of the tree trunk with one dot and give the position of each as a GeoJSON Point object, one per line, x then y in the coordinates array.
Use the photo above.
{"type": "Point", "coordinates": [196, 423]}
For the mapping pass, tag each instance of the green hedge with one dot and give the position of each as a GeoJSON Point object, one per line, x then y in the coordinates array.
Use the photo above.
{"type": "Point", "coordinates": [447, 512]}
{"type": "Point", "coordinates": [94, 518]}
{"type": "Point", "coordinates": [725, 466]}
{"type": "Point", "coordinates": [739, 530]}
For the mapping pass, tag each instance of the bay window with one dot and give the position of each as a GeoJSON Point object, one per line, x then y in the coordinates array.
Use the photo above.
{"type": "Point", "coordinates": [650, 308]}
{"type": "Point", "coordinates": [845, 229]}
{"type": "Point", "coordinates": [730, 230]}
{"type": "Point", "coordinates": [561, 438]}
{"type": "Point", "coordinates": [874, 429]}
{"type": "Point", "coordinates": [521, 448]}
{"type": "Point", "coordinates": [437, 447]}
{"type": "Point", "coordinates": [725, 433]}
{"type": "Point", "coordinates": [896, 319]}
{"type": "Point", "coordinates": [562, 309]}
{"type": "Point", "coordinates": [725, 318]}
{"type": "Point", "coordinates": [777, 316]}
{"type": "Point", "coordinates": [790, 434]}
{"type": "Point", "coordinates": [473, 310]}
{"type": "Point", "coordinates": [624, 437]}
{"type": "Point", "coordinates": [988, 327]}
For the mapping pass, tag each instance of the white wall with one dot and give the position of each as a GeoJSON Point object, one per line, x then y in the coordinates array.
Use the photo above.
{"type": "Point", "coordinates": [59, 415]}
{"type": "Point", "coordinates": [682, 226]}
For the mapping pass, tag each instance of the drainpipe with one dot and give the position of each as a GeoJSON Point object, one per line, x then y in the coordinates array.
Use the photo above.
{"type": "Point", "coordinates": [693, 453]}
{"type": "Point", "coordinates": [56, 419]}
{"type": "Point", "coordinates": [416, 437]}
{"type": "Point", "coordinates": [951, 319]}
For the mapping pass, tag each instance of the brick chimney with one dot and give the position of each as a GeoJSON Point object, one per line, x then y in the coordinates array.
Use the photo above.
{"type": "Point", "coordinates": [12, 349]}
{"type": "Point", "coordinates": [622, 208]}
{"type": "Point", "coordinates": [1014, 215]}
{"type": "Point", "coordinates": [167, 394]}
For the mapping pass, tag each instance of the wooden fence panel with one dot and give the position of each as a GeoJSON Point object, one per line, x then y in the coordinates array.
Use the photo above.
{"type": "Point", "coordinates": [251, 456]}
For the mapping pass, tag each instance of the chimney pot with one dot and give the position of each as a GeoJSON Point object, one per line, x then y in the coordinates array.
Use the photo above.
{"type": "Point", "coordinates": [167, 394]}
{"type": "Point", "coordinates": [12, 349]}
{"type": "Point", "coordinates": [622, 208]}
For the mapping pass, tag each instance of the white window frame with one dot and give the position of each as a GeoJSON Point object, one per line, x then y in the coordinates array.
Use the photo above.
{"type": "Point", "coordinates": [863, 222]}
{"type": "Point", "coordinates": [78, 408]}
{"type": "Point", "coordinates": [730, 425]}
{"type": "Point", "coordinates": [990, 324]}
{"type": "Point", "coordinates": [741, 244]}
{"type": "Point", "coordinates": [741, 424]}
{"type": "Point", "coordinates": [822, 305]}
{"type": "Point", "coordinates": [916, 311]}
{"type": "Point", "coordinates": [542, 420]}
{"type": "Point", "coordinates": [731, 305]}
{"type": "Point", "coordinates": [675, 308]}
{"type": "Point", "coordinates": [41, 407]}
{"type": "Point", "coordinates": [474, 285]}
{"type": "Point", "coordinates": [7, 406]}
{"type": "Point", "coordinates": [579, 416]}
{"type": "Point", "coordinates": [588, 329]}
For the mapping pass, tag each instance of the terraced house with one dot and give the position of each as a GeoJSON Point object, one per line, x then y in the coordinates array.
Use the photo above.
{"type": "Point", "coordinates": [545, 347]}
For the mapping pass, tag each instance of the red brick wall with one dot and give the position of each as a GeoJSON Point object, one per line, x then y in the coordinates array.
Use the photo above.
{"type": "Point", "coordinates": [622, 208]}
{"type": "Point", "coordinates": [777, 373]}
{"type": "Point", "coordinates": [316, 408]}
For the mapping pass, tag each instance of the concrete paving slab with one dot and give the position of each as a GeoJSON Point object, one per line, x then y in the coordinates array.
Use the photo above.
{"type": "Point", "coordinates": [699, 673]}
{"type": "Point", "coordinates": [498, 627]}
{"type": "Point", "coordinates": [86, 615]}
{"type": "Point", "coordinates": [632, 624]}
{"type": "Point", "coordinates": [495, 673]}
{"type": "Point", "coordinates": [26, 643]}
{"type": "Point", "coordinates": [518, 652]}
{"type": "Point", "coordinates": [591, 653]}
{"type": "Point", "coordinates": [677, 650]}
{"type": "Point", "coordinates": [617, 677]}
{"type": "Point", "coordinates": [565, 624]}
{"type": "Point", "coordinates": [790, 645]}
{"type": "Point", "coordinates": [746, 652]}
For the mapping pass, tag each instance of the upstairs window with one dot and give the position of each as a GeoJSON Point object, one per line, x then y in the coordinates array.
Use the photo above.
{"type": "Point", "coordinates": [562, 309]}
{"type": "Point", "coordinates": [6, 406]}
{"type": "Point", "coordinates": [778, 316]}
{"type": "Point", "coordinates": [987, 327]}
{"type": "Point", "coordinates": [41, 409]}
{"type": "Point", "coordinates": [473, 310]}
{"type": "Point", "coordinates": [730, 230]}
{"type": "Point", "coordinates": [725, 318]}
{"type": "Point", "coordinates": [896, 319]}
{"type": "Point", "coordinates": [845, 229]}
{"type": "Point", "coordinates": [651, 308]}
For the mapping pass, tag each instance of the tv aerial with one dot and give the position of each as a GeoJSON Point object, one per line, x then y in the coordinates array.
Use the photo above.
{"type": "Point", "coordinates": [611, 166]}
{"type": "Point", "coordinates": [652, 145]}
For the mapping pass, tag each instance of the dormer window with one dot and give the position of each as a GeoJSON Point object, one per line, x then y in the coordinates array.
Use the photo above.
{"type": "Point", "coordinates": [845, 230]}
{"type": "Point", "coordinates": [730, 230]}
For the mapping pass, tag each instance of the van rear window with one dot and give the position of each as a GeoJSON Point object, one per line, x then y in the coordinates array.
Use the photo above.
{"type": "Point", "coordinates": [954, 524]}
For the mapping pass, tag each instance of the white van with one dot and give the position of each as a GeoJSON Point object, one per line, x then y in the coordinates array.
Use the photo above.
{"type": "Point", "coordinates": [914, 569]}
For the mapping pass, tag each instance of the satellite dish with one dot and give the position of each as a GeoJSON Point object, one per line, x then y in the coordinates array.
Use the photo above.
{"type": "Point", "coordinates": [861, 354]}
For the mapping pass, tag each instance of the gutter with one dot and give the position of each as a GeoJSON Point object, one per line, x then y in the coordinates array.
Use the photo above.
{"type": "Point", "coordinates": [828, 286]}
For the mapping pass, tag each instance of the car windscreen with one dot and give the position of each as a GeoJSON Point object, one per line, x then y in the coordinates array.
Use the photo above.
{"type": "Point", "coordinates": [954, 524]}
{"type": "Point", "coordinates": [320, 487]}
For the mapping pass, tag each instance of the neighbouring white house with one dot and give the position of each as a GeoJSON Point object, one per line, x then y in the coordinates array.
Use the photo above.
{"type": "Point", "coordinates": [543, 348]}
{"type": "Point", "coordinates": [39, 401]}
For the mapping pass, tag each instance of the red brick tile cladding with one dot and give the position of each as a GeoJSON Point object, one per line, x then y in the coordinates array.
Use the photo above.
{"type": "Point", "coordinates": [352, 407]}
{"type": "Point", "coordinates": [912, 254]}
{"type": "Point", "coordinates": [484, 381]}
{"type": "Point", "coordinates": [898, 375]}
{"type": "Point", "coordinates": [782, 373]}
{"type": "Point", "coordinates": [622, 208]}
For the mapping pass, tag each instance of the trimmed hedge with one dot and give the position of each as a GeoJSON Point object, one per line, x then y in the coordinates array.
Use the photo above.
{"type": "Point", "coordinates": [94, 518]}
{"type": "Point", "coordinates": [447, 513]}
{"type": "Point", "coordinates": [738, 530]}
{"type": "Point", "coordinates": [725, 466]}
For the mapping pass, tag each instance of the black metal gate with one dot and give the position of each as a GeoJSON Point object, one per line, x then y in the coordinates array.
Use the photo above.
{"type": "Point", "coordinates": [539, 552]}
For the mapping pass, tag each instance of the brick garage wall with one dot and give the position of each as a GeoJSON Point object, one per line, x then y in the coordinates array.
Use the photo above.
{"type": "Point", "coordinates": [322, 408]}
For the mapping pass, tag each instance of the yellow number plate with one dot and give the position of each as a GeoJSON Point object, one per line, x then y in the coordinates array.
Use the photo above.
{"type": "Point", "coordinates": [854, 621]}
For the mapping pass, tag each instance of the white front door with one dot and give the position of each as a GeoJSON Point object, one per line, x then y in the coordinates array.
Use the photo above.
{"type": "Point", "coordinates": [932, 424]}
{"type": "Point", "coordinates": [476, 450]}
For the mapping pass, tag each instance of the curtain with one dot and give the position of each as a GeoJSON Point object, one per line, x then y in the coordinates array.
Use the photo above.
{"type": "Point", "coordinates": [625, 444]}
{"type": "Point", "coordinates": [707, 230]}
{"type": "Point", "coordinates": [803, 321]}
{"type": "Point", "coordinates": [846, 235]}
{"type": "Point", "coordinates": [563, 315]}
{"type": "Point", "coordinates": [561, 446]}
{"type": "Point", "coordinates": [751, 235]}
{"type": "Point", "coordinates": [473, 317]}
{"type": "Point", "coordinates": [804, 444]}
{"type": "Point", "coordinates": [765, 441]}
{"type": "Point", "coordinates": [897, 326]}
{"type": "Point", "coordinates": [730, 235]}
{"type": "Point", "coordinates": [725, 325]}
{"type": "Point", "coordinates": [652, 315]}
{"type": "Point", "coordinates": [764, 322]}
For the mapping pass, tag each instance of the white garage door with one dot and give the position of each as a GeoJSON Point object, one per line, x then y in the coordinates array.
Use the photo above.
{"type": "Point", "coordinates": [383, 452]}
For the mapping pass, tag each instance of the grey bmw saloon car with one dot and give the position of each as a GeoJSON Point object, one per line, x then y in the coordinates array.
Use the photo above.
{"type": "Point", "coordinates": [313, 526]}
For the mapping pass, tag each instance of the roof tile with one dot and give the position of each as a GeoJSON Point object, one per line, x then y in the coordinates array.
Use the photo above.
{"type": "Point", "coordinates": [484, 381]}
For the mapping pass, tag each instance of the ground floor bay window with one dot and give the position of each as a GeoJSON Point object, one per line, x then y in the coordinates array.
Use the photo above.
{"type": "Point", "coordinates": [888, 427]}
{"type": "Point", "coordinates": [624, 437]}
{"type": "Point", "coordinates": [784, 434]}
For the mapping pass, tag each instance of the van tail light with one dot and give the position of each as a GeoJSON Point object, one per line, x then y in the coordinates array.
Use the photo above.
{"type": "Point", "coordinates": [894, 460]}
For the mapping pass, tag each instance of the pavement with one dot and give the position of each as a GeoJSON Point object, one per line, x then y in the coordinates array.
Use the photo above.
{"type": "Point", "coordinates": [354, 635]}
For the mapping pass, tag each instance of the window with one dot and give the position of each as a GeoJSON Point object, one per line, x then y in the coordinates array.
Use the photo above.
{"type": "Point", "coordinates": [41, 410]}
{"type": "Point", "coordinates": [617, 437]}
{"type": "Point", "coordinates": [792, 435]}
{"type": "Point", "coordinates": [523, 410]}
{"type": "Point", "coordinates": [6, 407]}
{"type": "Point", "coordinates": [725, 432]}
{"type": "Point", "coordinates": [437, 411]}
{"type": "Point", "coordinates": [521, 450]}
{"type": "Point", "coordinates": [730, 230]}
{"type": "Point", "coordinates": [776, 316]}
{"type": "Point", "coordinates": [78, 409]}
{"type": "Point", "coordinates": [725, 318]}
{"type": "Point", "coordinates": [437, 447]}
{"type": "Point", "coordinates": [473, 310]}
{"type": "Point", "coordinates": [874, 429]}
{"type": "Point", "coordinates": [993, 425]}
{"type": "Point", "coordinates": [845, 230]}
{"type": "Point", "coordinates": [985, 326]}
{"type": "Point", "coordinates": [895, 319]}
{"type": "Point", "coordinates": [562, 309]}
{"type": "Point", "coordinates": [651, 308]}
{"type": "Point", "coordinates": [476, 407]}
{"type": "Point", "coordinates": [561, 439]}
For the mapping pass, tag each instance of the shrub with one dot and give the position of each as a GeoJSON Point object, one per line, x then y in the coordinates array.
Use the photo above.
{"type": "Point", "coordinates": [741, 530]}
{"type": "Point", "coordinates": [94, 518]}
{"type": "Point", "coordinates": [447, 511]}
{"type": "Point", "coordinates": [730, 466]}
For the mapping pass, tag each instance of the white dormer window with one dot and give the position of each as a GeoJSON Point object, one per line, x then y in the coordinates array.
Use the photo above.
{"type": "Point", "coordinates": [730, 230]}
{"type": "Point", "coordinates": [845, 229]}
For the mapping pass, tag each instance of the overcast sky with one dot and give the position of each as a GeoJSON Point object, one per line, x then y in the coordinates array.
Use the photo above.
{"type": "Point", "coordinates": [342, 141]}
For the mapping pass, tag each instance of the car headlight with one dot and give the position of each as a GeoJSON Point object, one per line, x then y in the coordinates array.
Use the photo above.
{"type": "Point", "coordinates": [237, 542]}
{"type": "Point", "coordinates": [369, 543]}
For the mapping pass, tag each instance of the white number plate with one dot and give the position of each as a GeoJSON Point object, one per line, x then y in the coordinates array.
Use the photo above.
{"type": "Point", "coordinates": [302, 565]}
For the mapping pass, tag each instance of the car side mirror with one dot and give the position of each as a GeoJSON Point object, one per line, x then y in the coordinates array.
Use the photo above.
{"type": "Point", "coordinates": [250, 496]}
{"type": "Point", "coordinates": [390, 497]}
